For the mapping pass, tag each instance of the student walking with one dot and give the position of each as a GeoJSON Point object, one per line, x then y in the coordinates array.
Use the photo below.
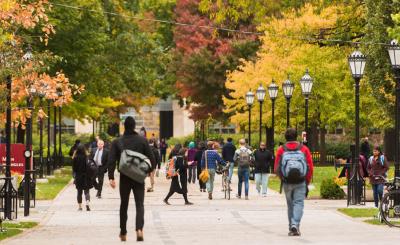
{"type": "Point", "coordinates": [293, 164]}
{"type": "Point", "coordinates": [131, 140]}
{"type": "Point", "coordinates": [192, 164]}
{"type": "Point", "coordinates": [243, 157]}
{"type": "Point", "coordinates": [377, 170]}
{"type": "Point", "coordinates": [179, 181]}
{"type": "Point", "coordinates": [100, 157]}
{"type": "Point", "coordinates": [157, 163]}
{"type": "Point", "coordinates": [197, 158]}
{"type": "Point", "coordinates": [163, 150]}
{"type": "Point", "coordinates": [262, 165]}
{"type": "Point", "coordinates": [211, 159]}
{"type": "Point", "coordinates": [82, 180]}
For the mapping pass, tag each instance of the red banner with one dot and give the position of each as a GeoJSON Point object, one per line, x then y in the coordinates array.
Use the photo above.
{"type": "Point", "coordinates": [17, 157]}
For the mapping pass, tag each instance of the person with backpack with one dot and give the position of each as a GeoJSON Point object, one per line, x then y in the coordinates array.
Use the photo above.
{"type": "Point", "coordinates": [263, 162]}
{"type": "Point", "coordinates": [294, 166]}
{"type": "Point", "coordinates": [132, 141]}
{"type": "Point", "coordinates": [153, 146]}
{"type": "Point", "coordinates": [228, 151]}
{"type": "Point", "coordinates": [81, 173]}
{"type": "Point", "coordinates": [197, 158]}
{"type": "Point", "coordinates": [209, 162]}
{"type": "Point", "coordinates": [243, 157]}
{"type": "Point", "coordinates": [178, 177]}
{"type": "Point", "coordinates": [192, 164]}
{"type": "Point", "coordinates": [377, 170]}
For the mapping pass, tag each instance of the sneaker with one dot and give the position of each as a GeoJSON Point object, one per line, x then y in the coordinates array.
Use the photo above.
{"type": "Point", "coordinates": [295, 231]}
{"type": "Point", "coordinates": [246, 198]}
{"type": "Point", "coordinates": [123, 238]}
{"type": "Point", "coordinates": [80, 209]}
{"type": "Point", "coordinates": [210, 196]}
{"type": "Point", "coordinates": [264, 195]}
{"type": "Point", "coordinates": [87, 208]}
{"type": "Point", "coordinates": [166, 202]}
{"type": "Point", "coordinates": [188, 203]}
{"type": "Point", "coordinates": [238, 196]}
{"type": "Point", "coordinates": [150, 189]}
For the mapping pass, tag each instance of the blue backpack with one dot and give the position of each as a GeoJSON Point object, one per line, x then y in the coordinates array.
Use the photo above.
{"type": "Point", "coordinates": [293, 165]}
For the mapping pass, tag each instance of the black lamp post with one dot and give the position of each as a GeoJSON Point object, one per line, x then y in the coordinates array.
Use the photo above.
{"type": "Point", "coordinates": [273, 94]}
{"type": "Point", "coordinates": [288, 88]}
{"type": "Point", "coordinates": [60, 155]}
{"type": "Point", "coordinates": [306, 83]}
{"type": "Point", "coordinates": [55, 158]}
{"type": "Point", "coordinates": [394, 54]}
{"type": "Point", "coordinates": [249, 101]}
{"type": "Point", "coordinates": [48, 161]}
{"type": "Point", "coordinates": [41, 95]}
{"type": "Point", "coordinates": [357, 64]}
{"type": "Point", "coordinates": [260, 97]}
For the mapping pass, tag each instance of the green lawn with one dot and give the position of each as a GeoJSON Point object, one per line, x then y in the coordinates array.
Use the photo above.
{"type": "Point", "coordinates": [48, 191]}
{"type": "Point", "coordinates": [320, 173]}
{"type": "Point", "coordinates": [359, 212]}
{"type": "Point", "coordinates": [13, 229]}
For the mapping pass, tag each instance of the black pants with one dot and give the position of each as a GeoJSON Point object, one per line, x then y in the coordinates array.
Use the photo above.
{"type": "Point", "coordinates": [163, 156]}
{"type": "Point", "coordinates": [125, 186]}
{"type": "Point", "coordinates": [87, 195]}
{"type": "Point", "coordinates": [99, 183]}
{"type": "Point", "coordinates": [176, 187]}
{"type": "Point", "coordinates": [201, 184]}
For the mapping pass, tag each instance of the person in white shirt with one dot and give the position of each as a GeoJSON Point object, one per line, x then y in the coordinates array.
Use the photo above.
{"type": "Point", "coordinates": [100, 157]}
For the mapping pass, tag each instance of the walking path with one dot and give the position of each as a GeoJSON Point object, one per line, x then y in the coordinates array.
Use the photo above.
{"type": "Point", "coordinates": [256, 221]}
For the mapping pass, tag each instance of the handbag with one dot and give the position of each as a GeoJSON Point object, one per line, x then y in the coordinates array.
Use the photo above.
{"type": "Point", "coordinates": [204, 175]}
{"type": "Point", "coordinates": [135, 165]}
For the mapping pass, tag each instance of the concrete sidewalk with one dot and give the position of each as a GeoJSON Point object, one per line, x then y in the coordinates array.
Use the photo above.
{"type": "Point", "coordinates": [256, 221]}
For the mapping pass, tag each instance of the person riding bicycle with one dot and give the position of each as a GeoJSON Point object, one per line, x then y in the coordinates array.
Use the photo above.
{"type": "Point", "coordinates": [377, 170]}
{"type": "Point", "coordinates": [228, 151]}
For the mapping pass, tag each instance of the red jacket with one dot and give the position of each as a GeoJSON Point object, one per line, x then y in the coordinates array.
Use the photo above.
{"type": "Point", "coordinates": [304, 149]}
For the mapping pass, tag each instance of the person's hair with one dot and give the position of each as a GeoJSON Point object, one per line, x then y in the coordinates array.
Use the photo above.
{"type": "Point", "coordinates": [182, 152]}
{"type": "Point", "coordinates": [177, 148]}
{"type": "Point", "coordinates": [229, 139]}
{"type": "Point", "coordinates": [201, 145]}
{"type": "Point", "coordinates": [291, 134]}
{"type": "Point", "coordinates": [242, 142]}
{"type": "Point", "coordinates": [216, 145]}
{"type": "Point", "coordinates": [81, 150]}
{"type": "Point", "coordinates": [378, 148]}
{"type": "Point", "coordinates": [210, 144]}
{"type": "Point", "coordinates": [130, 124]}
{"type": "Point", "coordinates": [77, 142]}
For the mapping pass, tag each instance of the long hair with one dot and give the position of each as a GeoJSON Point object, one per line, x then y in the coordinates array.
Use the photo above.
{"type": "Point", "coordinates": [80, 151]}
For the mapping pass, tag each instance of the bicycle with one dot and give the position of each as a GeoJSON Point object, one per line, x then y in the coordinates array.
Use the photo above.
{"type": "Point", "coordinates": [226, 183]}
{"type": "Point", "coordinates": [389, 208]}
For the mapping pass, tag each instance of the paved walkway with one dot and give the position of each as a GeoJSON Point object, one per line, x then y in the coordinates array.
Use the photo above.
{"type": "Point", "coordinates": [257, 221]}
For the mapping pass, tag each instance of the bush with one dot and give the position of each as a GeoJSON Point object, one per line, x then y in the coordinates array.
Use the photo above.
{"type": "Point", "coordinates": [330, 190]}
{"type": "Point", "coordinates": [181, 140]}
{"type": "Point", "coordinates": [340, 150]}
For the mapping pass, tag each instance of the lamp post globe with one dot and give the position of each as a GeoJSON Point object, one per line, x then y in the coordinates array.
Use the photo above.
{"type": "Point", "coordinates": [357, 61]}
{"type": "Point", "coordinates": [306, 83]}
{"type": "Point", "coordinates": [288, 88]}
{"type": "Point", "coordinates": [261, 91]}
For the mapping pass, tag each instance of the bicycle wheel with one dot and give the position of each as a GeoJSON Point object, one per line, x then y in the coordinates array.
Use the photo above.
{"type": "Point", "coordinates": [389, 211]}
{"type": "Point", "coordinates": [228, 187]}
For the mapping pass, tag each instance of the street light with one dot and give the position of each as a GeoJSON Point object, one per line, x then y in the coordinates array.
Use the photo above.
{"type": "Point", "coordinates": [357, 65]}
{"type": "Point", "coordinates": [250, 101]}
{"type": "Point", "coordinates": [48, 161]}
{"type": "Point", "coordinates": [260, 97]}
{"type": "Point", "coordinates": [60, 155]}
{"type": "Point", "coordinates": [288, 88]}
{"type": "Point", "coordinates": [273, 94]}
{"type": "Point", "coordinates": [394, 54]}
{"type": "Point", "coordinates": [55, 157]}
{"type": "Point", "coordinates": [41, 94]}
{"type": "Point", "coordinates": [306, 83]}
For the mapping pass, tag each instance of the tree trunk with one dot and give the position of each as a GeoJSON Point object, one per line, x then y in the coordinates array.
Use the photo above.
{"type": "Point", "coordinates": [322, 146]}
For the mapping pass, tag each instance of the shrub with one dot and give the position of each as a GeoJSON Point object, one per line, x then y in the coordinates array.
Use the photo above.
{"type": "Point", "coordinates": [180, 140]}
{"type": "Point", "coordinates": [330, 190]}
{"type": "Point", "coordinates": [340, 150]}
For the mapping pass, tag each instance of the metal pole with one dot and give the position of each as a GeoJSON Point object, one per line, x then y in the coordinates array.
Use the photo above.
{"type": "Point", "coordinates": [41, 143]}
{"type": "Point", "coordinates": [28, 147]}
{"type": "Point", "coordinates": [355, 175]}
{"type": "Point", "coordinates": [397, 132]}
{"type": "Point", "coordinates": [249, 126]}
{"type": "Point", "coordinates": [55, 139]}
{"type": "Point", "coordinates": [260, 136]}
{"type": "Point", "coordinates": [60, 162]}
{"type": "Point", "coordinates": [7, 184]}
{"type": "Point", "coordinates": [48, 162]}
{"type": "Point", "coordinates": [306, 119]}
{"type": "Point", "coordinates": [287, 113]}
{"type": "Point", "coordinates": [273, 126]}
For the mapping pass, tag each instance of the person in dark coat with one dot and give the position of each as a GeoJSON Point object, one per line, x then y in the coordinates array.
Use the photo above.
{"type": "Point", "coordinates": [228, 151]}
{"type": "Point", "coordinates": [365, 148]}
{"type": "Point", "coordinates": [179, 182]}
{"type": "Point", "coordinates": [131, 140]}
{"type": "Point", "coordinates": [163, 150]}
{"type": "Point", "coordinates": [100, 156]}
{"type": "Point", "coordinates": [377, 169]}
{"type": "Point", "coordinates": [197, 158]}
{"type": "Point", "coordinates": [82, 181]}
{"type": "Point", "coordinates": [262, 167]}
{"type": "Point", "coordinates": [73, 148]}
{"type": "Point", "coordinates": [153, 146]}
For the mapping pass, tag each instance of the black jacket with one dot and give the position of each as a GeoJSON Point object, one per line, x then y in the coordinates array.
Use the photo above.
{"type": "Point", "coordinates": [263, 161]}
{"type": "Point", "coordinates": [131, 141]}
{"type": "Point", "coordinates": [228, 151]}
{"type": "Point", "coordinates": [156, 154]}
{"type": "Point", "coordinates": [104, 159]}
{"type": "Point", "coordinates": [79, 168]}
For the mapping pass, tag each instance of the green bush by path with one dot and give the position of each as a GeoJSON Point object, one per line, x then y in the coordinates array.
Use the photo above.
{"type": "Point", "coordinates": [359, 212]}
{"type": "Point", "coordinates": [48, 191]}
{"type": "Point", "coordinates": [13, 229]}
{"type": "Point", "coordinates": [330, 190]}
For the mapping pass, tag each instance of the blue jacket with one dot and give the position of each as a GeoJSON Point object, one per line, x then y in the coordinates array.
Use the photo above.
{"type": "Point", "coordinates": [212, 159]}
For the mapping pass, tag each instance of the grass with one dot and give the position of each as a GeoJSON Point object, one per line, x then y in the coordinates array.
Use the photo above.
{"type": "Point", "coordinates": [48, 191]}
{"type": "Point", "coordinates": [320, 173]}
{"type": "Point", "coordinates": [13, 229]}
{"type": "Point", "coordinates": [359, 212]}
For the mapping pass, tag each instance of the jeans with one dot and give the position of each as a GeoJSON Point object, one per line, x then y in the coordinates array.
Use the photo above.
{"type": "Point", "coordinates": [125, 186]}
{"type": "Point", "coordinates": [295, 195]}
{"type": "Point", "coordinates": [378, 193]}
{"type": "Point", "coordinates": [261, 182]}
{"type": "Point", "coordinates": [210, 182]}
{"type": "Point", "coordinates": [87, 195]}
{"type": "Point", "coordinates": [243, 174]}
{"type": "Point", "coordinates": [231, 166]}
{"type": "Point", "coordinates": [192, 174]}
